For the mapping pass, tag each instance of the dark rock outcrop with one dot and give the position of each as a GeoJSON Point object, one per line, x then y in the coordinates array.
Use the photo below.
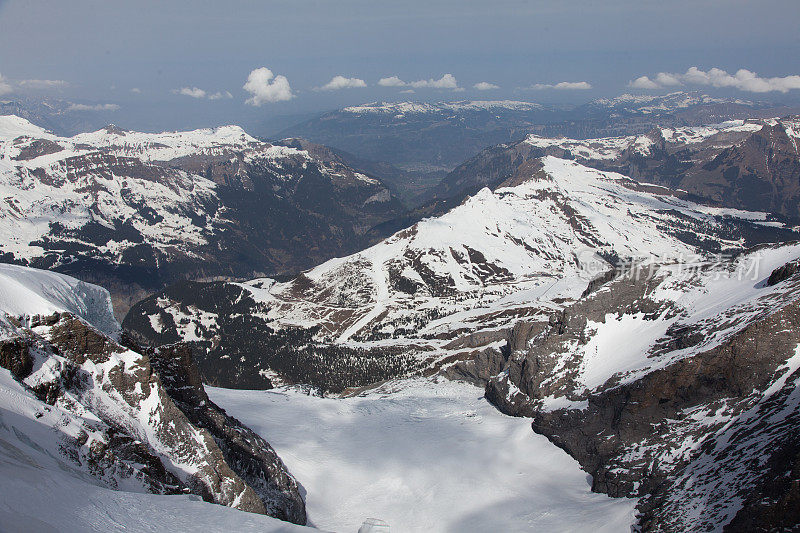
{"type": "Point", "coordinates": [783, 273]}
{"type": "Point", "coordinates": [248, 454]}
{"type": "Point", "coordinates": [15, 356]}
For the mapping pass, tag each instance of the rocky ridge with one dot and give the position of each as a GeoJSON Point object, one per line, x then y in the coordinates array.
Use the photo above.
{"type": "Point", "coordinates": [678, 388]}
{"type": "Point", "coordinates": [127, 419]}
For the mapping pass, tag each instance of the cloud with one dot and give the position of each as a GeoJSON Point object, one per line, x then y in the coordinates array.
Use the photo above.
{"type": "Point", "coordinates": [643, 82]}
{"type": "Point", "coordinates": [266, 87]}
{"type": "Point", "coordinates": [667, 80]}
{"type": "Point", "coordinates": [564, 86]}
{"type": "Point", "coordinates": [743, 80]}
{"type": "Point", "coordinates": [340, 82]}
{"type": "Point", "coordinates": [136, 90]}
{"type": "Point", "coordinates": [5, 87]}
{"type": "Point", "coordinates": [391, 81]}
{"type": "Point", "coordinates": [447, 81]}
{"type": "Point", "coordinates": [220, 95]}
{"type": "Point", "coordinates": [194, 92]}
{"type": "Point", "coordinates": [485, 86]}
{"type": "Point", "coordinates": [407, 91]}
{"type": "Point", "coordinates": [95, 107]}
{"type": "Point", "coordinates": [43, 84]}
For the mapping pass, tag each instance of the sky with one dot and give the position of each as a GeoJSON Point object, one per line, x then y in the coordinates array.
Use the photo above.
{"type": "Point", "coordinates": [178, 64]}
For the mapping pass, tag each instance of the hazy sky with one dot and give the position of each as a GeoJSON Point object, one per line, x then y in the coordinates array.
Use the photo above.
{"type": "Point", "coordinates": [139, 55]}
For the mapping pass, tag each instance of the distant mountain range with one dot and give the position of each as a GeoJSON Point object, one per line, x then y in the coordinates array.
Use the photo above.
{"type": "Point", "coordinates": [426, 140]}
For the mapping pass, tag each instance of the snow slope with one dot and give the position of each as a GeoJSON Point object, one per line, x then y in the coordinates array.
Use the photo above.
{"type": "Point", "coordinates": [28, 292]}
{"type": "Point", "coordinates": [74, 185]}
{"type": "Point", "coordinates": [667, 103]}
{"type": "Point", "coordinates": [81, 413]}
{"type": "Point", "coordinates": [424, 455]}
{"type": "Point", "coordinates": [612, 148]}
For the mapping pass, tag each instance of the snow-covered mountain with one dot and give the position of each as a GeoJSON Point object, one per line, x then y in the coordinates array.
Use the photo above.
{"type": "Point", "coordinates": [81, 401]}
{"type": "Point", "coordinates": [521, 250]}
{"type": "Point", "coordinates": [138, 210]}
{"type": "Point", "coordinates": [400, 109]}
{"type": "Point", "coordinates": [666, 103]}
{"type": "Point", "coordinates": [649, 336]}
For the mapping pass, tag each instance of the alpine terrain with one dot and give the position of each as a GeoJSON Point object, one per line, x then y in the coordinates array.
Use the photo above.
{"type": "Point", "coordinates": [647, 335]}
{"type": "Point", "coordinates": [136, 211]}
{"type": "Point", "coordinates": [399, 267]}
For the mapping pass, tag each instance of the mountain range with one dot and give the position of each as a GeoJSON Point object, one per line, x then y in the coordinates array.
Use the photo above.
{"type": "Point", "coordinates": [135, 211]}
{"type": "Point", "coordinates": [424, 141]}
{"type": "Point", "coordinates": [613, 294]}
{"type": "Point", "coordinates": [650, 337]}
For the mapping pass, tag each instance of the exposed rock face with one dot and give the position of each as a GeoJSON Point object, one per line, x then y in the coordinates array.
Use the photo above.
{"type": "Point", "coordinates": [249, 455]}
{"type": "Point", "coordinates": [678, 397]}
{"type": "Point", "coordinates": [132, 420]}
{"type": "Point", "coordinates": [15, 356]}
{"type": "Point", "coordinates": [783, 273]}
{"type": "Point", "coordinates": [761, 173]}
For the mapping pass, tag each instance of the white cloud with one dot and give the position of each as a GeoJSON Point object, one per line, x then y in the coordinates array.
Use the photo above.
{"type": "Point", "coordinates": [564, 86]}
{"type": "Point", "coordinates": [447, 81]}
{"type": "Point", "coordinates": [340, 82]}
{"type": "Point", "coordinates": [43, 84]}
{"type": "Point", "coordinates": [194, 92]}
{"type": "Point", "coordinates": [643, 82]}
{"type": "Point", "coordinates": [391, 81]}
{"type": "Point", "coordinates": [266, 87]}
{"type": "Point", "coordinates": [743, 79]}
{"type": "Point", "coordinates": [95, 107]}
{"type": "Point", "coordinates": [136, 90]}
{"type": "Point", "coordinates": [407, 91]}
{"type": "Point", "coordinates": [485, 86]}
{"type": "Point", "coordinates": [667, 80]}
{"type": "Point", "coordinates": [5, 87]}
{"type": "Point", "coordinates": [220, 95]}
